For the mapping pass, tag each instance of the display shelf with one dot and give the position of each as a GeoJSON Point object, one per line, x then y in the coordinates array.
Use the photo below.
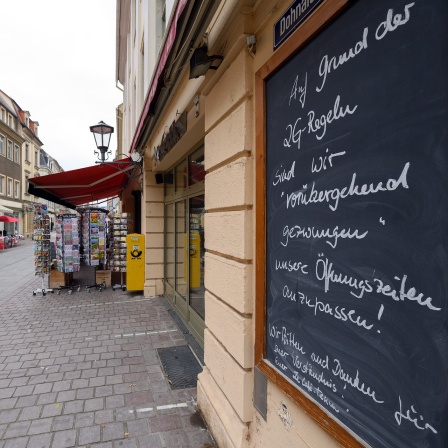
{"type": "Point", "coordinates": [120, 223]}
{"type": "Point", "coordinates": [42, 252]}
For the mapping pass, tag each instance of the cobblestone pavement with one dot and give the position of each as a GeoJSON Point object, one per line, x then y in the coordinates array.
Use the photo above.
{"type": "Point", "coordinates": [82, 370]}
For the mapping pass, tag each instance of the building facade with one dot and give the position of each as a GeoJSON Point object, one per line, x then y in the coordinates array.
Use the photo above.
{"type": "Point", "coordinates": [21, 158]}
{"type": "Point", "coordinates": [241, 114]}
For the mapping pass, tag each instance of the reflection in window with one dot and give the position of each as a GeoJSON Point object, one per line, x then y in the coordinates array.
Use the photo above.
{"type": "Point", "coordinates": [181, 176]}
{"type": "Point", "coordinates": [197, 253]}
{"type": "Point", "coordinates": [169, 244]}
{"type": "Point", "coordinates": [196, 171]}
{"type": "Point", "coordinates": [181, 243]}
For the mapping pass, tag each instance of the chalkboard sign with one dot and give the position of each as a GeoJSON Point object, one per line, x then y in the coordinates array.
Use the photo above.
{"type": "Point", "coordinates": [356, 221]}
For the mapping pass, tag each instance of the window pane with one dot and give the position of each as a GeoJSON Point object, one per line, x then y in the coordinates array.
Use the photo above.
{"type": "Point", "coordinates": [197, 253]}
{"type": "Point", "coordinates": [169, 244]}
{"type": "Point", "coordinates": [181, 239]}
{"type": "Point", "coordinates": [196, 171]}
{"type": "Point", "coordinates": [169, 183]}
{"type": "Point", "coordinates": [181, 176]}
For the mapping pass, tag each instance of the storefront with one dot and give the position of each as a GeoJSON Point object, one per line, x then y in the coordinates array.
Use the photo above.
{"type": "Point", "coordinates": [287, 214]}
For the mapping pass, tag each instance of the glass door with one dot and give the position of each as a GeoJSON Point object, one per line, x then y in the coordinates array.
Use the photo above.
{"type": "Point", "coordinates": [184, 241]}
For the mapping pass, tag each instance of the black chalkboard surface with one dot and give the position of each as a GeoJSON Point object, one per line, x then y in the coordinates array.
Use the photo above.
{"type": "Point", "coordinates": [357, 221]}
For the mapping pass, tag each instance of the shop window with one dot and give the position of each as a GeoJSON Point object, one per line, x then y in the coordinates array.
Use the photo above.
{"type": "Point", "coordinates": [181, 182]}
{"type": "Point", "coordinates": [196, 254]}
{"type": "Point", "coordinates": [196, 171]}
{"type": "Point", "coordinates": [181, 244]}
{"type": "Point", "coordinates": [169, 183]}
{"type": "Point", "coordinates": [170, 237]}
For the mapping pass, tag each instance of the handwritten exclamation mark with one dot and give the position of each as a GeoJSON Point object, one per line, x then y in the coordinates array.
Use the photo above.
{"type": "Point", "coordinates": [380, 314]}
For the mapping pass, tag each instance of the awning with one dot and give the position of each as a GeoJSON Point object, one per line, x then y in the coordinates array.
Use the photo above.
{"type": "Point", "coordinates": [4, 209]}
{"type": "Point", "coordinates": [85, 185]}
{"type": "Point", "coordinates": [9, 219]}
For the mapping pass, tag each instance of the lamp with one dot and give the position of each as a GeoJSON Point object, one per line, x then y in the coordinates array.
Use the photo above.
{"type": "Point", "coordinates": [201, 62]}
{"type": "Point", "coordinates": [102, 133]}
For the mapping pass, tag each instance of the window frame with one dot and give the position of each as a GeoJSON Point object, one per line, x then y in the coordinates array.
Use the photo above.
{"type": "Point", "coordinates": [16, 189]}
{"type": "Point", "coordinates": [2, 185]}
{"type": "Point", "coordinates": [9, 187]}
{"type": "Point", "coordinates": [16, 154]}
{"type": "Point", "coordinates": [2, 145]}
{"type": "Point", "coordinates": [9, 149]}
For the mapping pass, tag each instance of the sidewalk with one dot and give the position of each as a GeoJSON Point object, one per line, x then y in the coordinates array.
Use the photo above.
{"type": "Point", "coordinates": [84, 370]}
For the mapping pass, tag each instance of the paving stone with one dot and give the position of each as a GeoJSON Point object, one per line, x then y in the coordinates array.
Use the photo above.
{"type": "Point", "coordinates": [40, 441]}
{"type": "Point", "coordinates": [64, 439]}
{"type": "Point", "coordinates": [9, 415]}
{"type": "Point", "coordinates": [29, 400]}
{"type": "Point", "coordinates": [103, 391]}
{"type": "Point", "coordinates": [47, 398]}
{"type": "Point", "coordinates": [43, 388]}
{"type": "Point", "coordinates": [138, 428]}
{"type": "Point", "coordinates": [85, 394]}
{"type": "Point", "coordinates": [16, 430]}
{"type": "Point", "coordinates": [52, 410]}
{"type": "Point", "coordinates": [150, 441]}
{"type": "Point", "coordinates": [138, 398]}
{"type": "Point", "coordinates": [164, 423]}
{"type": "Point", "coordinates": [90, 434]}
{"type": "Point", "coordinates": [67, 395]}
{"type": "Point", "coordinates": [176, 439]}
{"type": "Point", "coordinates": [7, 393]}
{"type": "Point", "coordinates": [73, 407]}
{"type": "Point", "coordinates": [19, 381]}
{"type": "Point", "coordinates": [40, 426]}
{"type": "Point", "coordinates": [61, 386]}
{"type": "Point", "coordinates": [113, 431]}
{"type": "Point", "coordinates": [84, 420]}
{"type": "Point", "coordinates": [97, 381]}
{"type": "Point", "coordinates": [63, 422]}
{"type": "Point", "coordinates": [105, 416]}
{"type": "Point", "coordinates": [95, 404]}
{"type": "Point", "coordinates": [24, 390]}
{"type": "Point", "coordinates": [20, 442]}
{"type": "Point", "coordinates": [30, 413]}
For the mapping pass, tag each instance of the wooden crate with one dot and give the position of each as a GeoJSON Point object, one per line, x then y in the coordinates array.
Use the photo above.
{"type": "Point", "coordinates": [103, 276]}
{"type": "Point", "coordinates": [57, 279]}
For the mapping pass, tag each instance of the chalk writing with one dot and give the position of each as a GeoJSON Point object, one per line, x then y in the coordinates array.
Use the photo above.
{"type": "Point", "coordinates": [301, 90]}
{"type": "Point", "coordinates": [333, 196]}
{"type": "Point", "coordinates": [282, 175]}
{"type": "Point", "coordinates": [415, 418]}
{"type": "Point", "coordinates": [322, 161]}
{"type": "Point", "coordinates": [330, 235]}
{"type": "Point", "coordinates": [320, 124]}
{"type": "Point", "coordinates": [328, 65]}
{"type": "Point", "coordinates": [291, 266]}
{"type": "Point", "coordinates": [354, 382]}
{"type": "Point", "coordinates": [326, 273]}
{"type": "Point", "coordinates": [402, 294]}
{"type": "Point", "coordinates": [392, 21]}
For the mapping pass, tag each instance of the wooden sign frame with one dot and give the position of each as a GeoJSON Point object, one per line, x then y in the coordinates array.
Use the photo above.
{"type": "Point", "coordinates": [320, 18]}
